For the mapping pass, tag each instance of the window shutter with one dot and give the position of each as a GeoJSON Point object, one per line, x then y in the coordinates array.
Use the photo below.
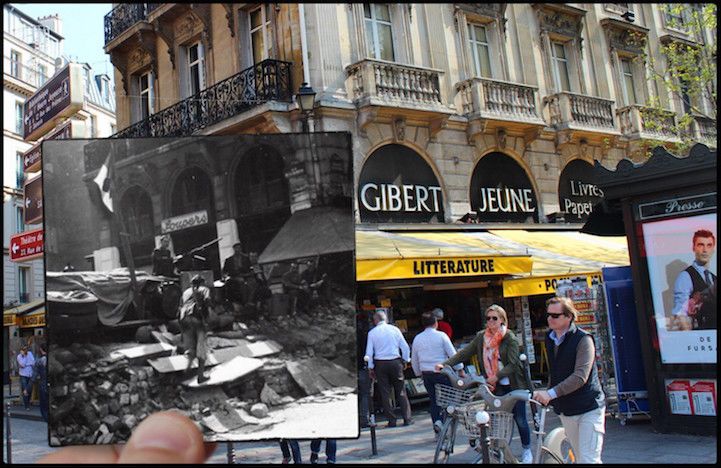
{"type": "Point", "coordinates": [151, 93]}
{"type": "Point", "coordinates": [201, 64]}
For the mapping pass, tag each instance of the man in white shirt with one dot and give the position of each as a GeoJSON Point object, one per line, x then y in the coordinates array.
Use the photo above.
{"type": "Point", "coordinates": [430, 347]}
{"type": "Point", "coordinates": [387, 352]}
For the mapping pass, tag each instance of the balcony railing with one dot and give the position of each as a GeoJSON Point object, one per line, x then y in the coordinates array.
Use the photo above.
{"type": "Point", "coordinates": [268, 80]}
{"type": "Point", "coordinates": [578, 111]}
{"type": "Point", "coordinates": [704, 131]}
{"type": "Point", "coordinates": [643, 122]}
{"type": "Point", "coordinates": [393, 83]}
{"type": "Point", "coordinates": [122, 17]}
{"type": "Point", "coordinates": [500, 99]}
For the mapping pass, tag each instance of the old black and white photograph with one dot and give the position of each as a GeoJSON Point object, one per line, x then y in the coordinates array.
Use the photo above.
{"type": "Point", "coordinates": [213, 276]}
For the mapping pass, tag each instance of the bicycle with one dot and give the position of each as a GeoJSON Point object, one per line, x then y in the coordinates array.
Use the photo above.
{"type": "Point", "coordinates": [548, 449]}
{"type": "Point", "coordinates": [449, 398]}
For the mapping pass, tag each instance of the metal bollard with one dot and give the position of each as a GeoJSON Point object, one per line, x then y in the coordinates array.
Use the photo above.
{"type": "Point", "coordinates": [8, 434]}
{"type": "Point", "coordinates": [231, 454]}
{"type": "Point", "coordinates": [371, 410]}
{"type": "Point", "coordinates": [483, 418]}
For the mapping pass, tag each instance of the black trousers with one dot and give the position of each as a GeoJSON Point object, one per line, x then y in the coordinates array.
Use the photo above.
{"type": "Point", "coordinates": [390, 376]}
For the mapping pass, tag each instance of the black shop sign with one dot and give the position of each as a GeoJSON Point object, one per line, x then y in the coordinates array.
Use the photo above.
{"type": "Point", "coordinates": [502, 192]}
{"type": "Point", "coordinates": [577, 191]}
{"type": "Point", "coordinates": [396, 185]}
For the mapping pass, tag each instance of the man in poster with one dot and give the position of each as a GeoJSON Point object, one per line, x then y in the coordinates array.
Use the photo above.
{"type": "Point", "coordinates": [694, 292]}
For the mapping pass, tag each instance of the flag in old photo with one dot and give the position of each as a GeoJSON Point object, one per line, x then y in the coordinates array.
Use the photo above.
{"type": "Point", "coordinates": [102, 180]}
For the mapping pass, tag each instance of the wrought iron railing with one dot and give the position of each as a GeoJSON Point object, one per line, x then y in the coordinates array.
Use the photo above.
{"type": "Point", "coordinates": [704, 131]}
{"type": "Point", "coordinates": [269, 80]}
{"type": "Point", "coordinates": [122, 17]}
{"type": "Point", "coordinates": [580, 111]}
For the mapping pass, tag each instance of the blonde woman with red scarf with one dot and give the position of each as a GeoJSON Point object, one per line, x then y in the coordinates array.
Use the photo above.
{"type": "Point", "coordinates": [497, 350]}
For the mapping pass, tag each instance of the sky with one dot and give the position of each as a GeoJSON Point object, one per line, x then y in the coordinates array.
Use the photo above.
{"type": "Point", "coordinates": [82, 29]}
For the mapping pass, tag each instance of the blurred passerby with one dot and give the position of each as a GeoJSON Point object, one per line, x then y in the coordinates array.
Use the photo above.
{"type": "Point", "coordinates": [290, 447]}
{"type": "Point", "coordinates": [443, 326]}
{"type": "Point", "coordinates": [41, 377]}
{"type": "Point", "coordinates": [26, 360]}
{"type": "Point", "coordinates": [387, 351]}
{"type": "Point", "coordinates": [429, 348]}
{"type": "Point", "coordinates": [330, 449]}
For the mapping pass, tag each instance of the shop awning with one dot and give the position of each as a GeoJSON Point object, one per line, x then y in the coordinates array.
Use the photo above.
{"type": "Point", "coordinates": [384, 255]}
{"type": "Point", "coordinates": [16, 315]}
{"type": "Point", "coordinates": [311, 232]}
{"type": "Point", "coordinates": [562, 254]}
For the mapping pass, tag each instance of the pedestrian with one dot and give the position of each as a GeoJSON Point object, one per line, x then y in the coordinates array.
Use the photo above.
{"type": "Point", "coordinates": [429, 348]}
{"type": "Point", "coordinates": [387, 352]}
{"type": "Point", "coordinates": [40, 375]}
{"type": "Point", "coordinates": [330, 449]}
{"type": "Point", "coordinates": [288, 447]}
{"type": "Point", "coordinates": [498, 353]}
{"type": "Point", "coordinates": [574, 389]}
{"type": "Point", "coordinates": [193, 319]}
{"type": "Point", "coordinates": [163, 260]}
{"type": "Point", "coordinates": [443, 326]}
{"type": "Point", "coordinates": [25, 363]}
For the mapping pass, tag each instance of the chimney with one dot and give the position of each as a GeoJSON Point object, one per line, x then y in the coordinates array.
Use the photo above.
{"type": "Point", "coordinates": [52, 22]}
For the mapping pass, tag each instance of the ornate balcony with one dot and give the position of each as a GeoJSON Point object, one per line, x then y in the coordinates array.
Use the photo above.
{"type": "Point", "coordinates": [269, 80]}
{"type": "Point", "coordinates": [496, 100]}
{"type": "Point", "coordinates": [578, 117]}
{"type": "Point", "coordinates": [122, 17]}
{"type": "Point", "coordinates": [377, 82]}
{"type": "Point", "coordinates": [640, 122]}
{"type": "Point", "coordinates": [704, 131]}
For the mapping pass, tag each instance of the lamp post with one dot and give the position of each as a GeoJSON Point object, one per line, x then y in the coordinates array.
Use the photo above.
{"type": "Point", "coordinates": [305, 99]}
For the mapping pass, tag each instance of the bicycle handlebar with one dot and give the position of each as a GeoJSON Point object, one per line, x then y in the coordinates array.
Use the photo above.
{"type": "Point", "coordinates": [495, 403]}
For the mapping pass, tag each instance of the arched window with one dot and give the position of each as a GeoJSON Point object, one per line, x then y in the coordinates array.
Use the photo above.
{"type": "Point", "coordinates": [192, 192]}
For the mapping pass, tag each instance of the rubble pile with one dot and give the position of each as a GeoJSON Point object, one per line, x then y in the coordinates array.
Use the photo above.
{"type": "Point", "coordinates": [96, 399]}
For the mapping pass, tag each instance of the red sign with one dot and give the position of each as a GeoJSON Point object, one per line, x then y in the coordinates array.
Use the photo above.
{"type": "Point", "coordinates": [26, 245]}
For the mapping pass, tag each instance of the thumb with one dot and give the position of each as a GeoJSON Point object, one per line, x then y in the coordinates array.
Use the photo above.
{"type": "Point", "coordinates": [166, 437]}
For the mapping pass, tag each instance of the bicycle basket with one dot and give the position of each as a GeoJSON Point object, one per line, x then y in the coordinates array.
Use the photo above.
{"type": "Point", "coordinates": [500, 426]}
{"type": "Point", "coordinates": [448, 396]}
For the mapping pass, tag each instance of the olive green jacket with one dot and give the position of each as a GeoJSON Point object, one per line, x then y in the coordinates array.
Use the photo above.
{"type": "Point", "coordinates": [509, 353]}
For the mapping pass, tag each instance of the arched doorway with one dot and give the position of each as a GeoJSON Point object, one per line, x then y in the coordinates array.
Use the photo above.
{"type": "Point", "coordinates": [501, 191]}
{"type": "Point", "coordinates": [396, 185]}
{"type": "Point", "coordinates": [193, 193]}
{"type": "Point", "coordinates": [261, 197]}
{"type": "Point", "coordinates": [136, 208]}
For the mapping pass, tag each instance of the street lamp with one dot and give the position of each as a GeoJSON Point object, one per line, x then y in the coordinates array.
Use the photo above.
{"type": "Point", "coordinates": [305, 98]}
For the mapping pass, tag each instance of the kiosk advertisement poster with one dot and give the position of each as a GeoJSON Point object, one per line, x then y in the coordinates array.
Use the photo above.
{"type": "Point", "coordinates": [692, 396]}
{"type": "Point", "coordinates": [681, 256]}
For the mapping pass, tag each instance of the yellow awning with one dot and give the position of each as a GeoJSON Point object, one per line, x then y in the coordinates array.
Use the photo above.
{"type": "Point", "coordinates": [33, 319]}
{"type": "Point", "coordinates": [400, 255]}
{"type": "Point", "coordinates": [562, 254]}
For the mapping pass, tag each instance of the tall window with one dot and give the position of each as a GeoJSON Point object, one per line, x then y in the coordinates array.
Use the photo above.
{"type": "Point", "coordinates": [15, 63]}
{"type": "Point", "coordinates": [19, 219]}
{"type": "Point", "coordinates": [685, 98]}
{"type": "Point", "coordinates": [19, 173]}
{"type": "Point", "coordinates": [379, 35]}
{"type": "Point", "coordinates": [560, 66]}
{"type": "Point", "coordinates": [23, 290]}
{"type": "Point", "coordinates": [145, 86]}
{"type": "Point", "coordinates": [261, 33]}
{"type": "Point", "coordinates": [675, 16]}
{"type": "Point", "coordinates": [42, 74]}
{"type": "Point", "coordinates": [196, 62]}
{"type": "Point", "coordinates": [478, 38]}
{"type": "Point", "coordinates": [19, 114]}
{"type": "Point", "coordinates": [629, 90]}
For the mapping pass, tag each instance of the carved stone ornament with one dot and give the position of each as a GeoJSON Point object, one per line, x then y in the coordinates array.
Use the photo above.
{"type": "Point", "coordinates": [626, 40]}
{"type": "Point", "coordinates": [501, 138]}
{"type": "Point", "coordinates": [139, 58]}
{"type": "Point", "coordinates": [558, 22]}
{"type": "Point", "coordinates": [489, 10]}
{"type": "Point", "coordinates": [399, 129]}
{"type": "Point", "coordinates": [187, 27]}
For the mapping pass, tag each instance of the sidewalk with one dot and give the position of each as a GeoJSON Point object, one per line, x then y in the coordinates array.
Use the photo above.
{"type": "Point", "coordinates": [630, 444]}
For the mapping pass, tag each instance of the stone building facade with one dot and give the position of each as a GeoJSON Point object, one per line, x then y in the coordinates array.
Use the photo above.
{"type": "Point", "coordinates": [541, 84]}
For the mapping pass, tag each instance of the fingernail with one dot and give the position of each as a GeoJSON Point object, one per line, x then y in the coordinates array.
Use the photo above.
{"type": "Point", "coordinates": [162, 434]}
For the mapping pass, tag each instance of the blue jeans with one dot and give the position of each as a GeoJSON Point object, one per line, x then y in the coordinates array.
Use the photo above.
{"type": "Point", "coordinates": [330, 448]}
{"type": "Point", "coordinates": [44, 400]}
{"type": "Point", "coordinates": [26, 386]}
{"type": "Point", "coordinates": [284, 443]}
{"type": "Point", "coordinates": [519, 415]}
{"type": "Point", "coordinates": [430, 379]}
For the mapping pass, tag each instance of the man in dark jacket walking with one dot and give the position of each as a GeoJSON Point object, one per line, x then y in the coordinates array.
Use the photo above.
{"type": "Point", "coordinates": [574, 388]}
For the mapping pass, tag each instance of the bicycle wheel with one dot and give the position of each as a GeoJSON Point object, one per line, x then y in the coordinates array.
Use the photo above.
{"type": "Point", "coordinates": [563, 456]}
{"type": "Point", "coordinates": [446, 440]}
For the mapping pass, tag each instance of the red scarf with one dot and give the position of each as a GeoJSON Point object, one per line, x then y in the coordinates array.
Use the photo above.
{"type": "Point", "coordinates": [491, 346]}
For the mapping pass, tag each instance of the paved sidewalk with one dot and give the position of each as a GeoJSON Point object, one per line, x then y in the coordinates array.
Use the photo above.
{"type": "Point", "coordinates": [630, 444]}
